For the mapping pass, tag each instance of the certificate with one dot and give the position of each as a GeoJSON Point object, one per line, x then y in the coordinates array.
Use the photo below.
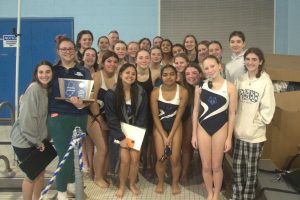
{"type": "Point", "coordinates": [75, 87]}
{"type": "Point", "coordinates": [134, 135]}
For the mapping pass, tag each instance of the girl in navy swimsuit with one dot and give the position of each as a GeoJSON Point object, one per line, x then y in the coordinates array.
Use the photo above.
{"type": "Point", "coordinates": [213, 122]}
{"type": "Point", "coordinates": [168, 104]}
{"type": "Point", "coordinates": [104, 79]}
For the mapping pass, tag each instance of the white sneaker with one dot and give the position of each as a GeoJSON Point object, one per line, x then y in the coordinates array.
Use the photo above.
{"type": "Point", "coordinates": [62, 196]}
{"type": "Point", "coordinates": [71, 189]}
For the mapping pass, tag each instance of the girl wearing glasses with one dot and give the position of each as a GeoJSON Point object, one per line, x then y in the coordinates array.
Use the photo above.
{"type": "Point", "coordinates": [64, 115]}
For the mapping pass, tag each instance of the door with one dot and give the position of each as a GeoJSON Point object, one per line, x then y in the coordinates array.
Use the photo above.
{"type": "Point", "coordinates": [36, 44]}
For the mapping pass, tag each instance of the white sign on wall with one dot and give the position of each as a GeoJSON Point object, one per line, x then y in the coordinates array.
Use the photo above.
{"type": "Point", "coordinates": [9, 41]}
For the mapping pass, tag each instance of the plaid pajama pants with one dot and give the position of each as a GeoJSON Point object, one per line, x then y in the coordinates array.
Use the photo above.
{"type": "Point", "coordinates": [245, 165]}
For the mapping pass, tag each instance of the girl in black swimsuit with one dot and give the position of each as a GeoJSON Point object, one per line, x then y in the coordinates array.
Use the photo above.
{"type": "Point", "coordinates": [213, 121]}
{"type": "Point", "coordinates": [167, 105]}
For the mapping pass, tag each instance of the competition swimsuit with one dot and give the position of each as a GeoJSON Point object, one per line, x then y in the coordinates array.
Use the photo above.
{"type": "Point", "coordinates": [168, 109]}
{"type": "Point", "coordinates": [129, 111]}
{"type": "Point", "coordinates": [147, 85]}
{"type": "Point", "coordinates": [213, 108]}
{"type": "Point", "coordinates": [101, 94]}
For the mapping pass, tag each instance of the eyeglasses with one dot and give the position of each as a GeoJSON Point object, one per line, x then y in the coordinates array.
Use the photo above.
{"type": "Point", "coordinates": [65, 50]}
{"type": "Point", "coordinates": [167, 153]}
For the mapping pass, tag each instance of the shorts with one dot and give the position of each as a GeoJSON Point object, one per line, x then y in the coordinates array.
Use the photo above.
{"type": "Point", "coordinates": [23, 153]}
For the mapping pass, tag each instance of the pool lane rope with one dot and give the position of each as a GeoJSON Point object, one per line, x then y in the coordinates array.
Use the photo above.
{"type": "Point", "coordinates": [77, 137]}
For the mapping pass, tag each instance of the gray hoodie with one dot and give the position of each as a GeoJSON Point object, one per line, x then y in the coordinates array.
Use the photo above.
{"type": "Point", "coordinates": [30, 129]}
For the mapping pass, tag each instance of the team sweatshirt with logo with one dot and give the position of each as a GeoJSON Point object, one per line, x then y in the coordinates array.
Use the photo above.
{"type": "Point", "coordinates": [256, 107]}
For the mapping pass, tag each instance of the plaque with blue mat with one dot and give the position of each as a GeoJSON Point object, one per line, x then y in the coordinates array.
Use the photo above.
{"type": "Point", "coordinates": [75, 87]}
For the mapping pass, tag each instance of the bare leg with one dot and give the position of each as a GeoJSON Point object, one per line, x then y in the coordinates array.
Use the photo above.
{"type": "Point", "coordinates": [187, 150]}
{"type": "Point", "coordinates": [27, 189]}
{"type": "Point", "coordinates": [205, 146]}
{"type": "Point", "coordinates": [176, 160]}
{"type": "Point", "coordinates": [133, 171]}
{"type": "Point", "coordinates": [124, 171]}
{"type": "Point", "coordinates": [100, 158]}
{"type": "Point", "coordinates": [89, 148]}
{"type": "Point", "coordinates": [84, 157]}
{"type": "Point", "coordinates": [218, 141]}
{"type": "Point", "coordinates": [38, 185]}
{"type": "Point", "coordinates": [160, 167]}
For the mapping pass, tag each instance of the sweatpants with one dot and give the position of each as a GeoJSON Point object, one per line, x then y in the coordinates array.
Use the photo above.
{"type": "Point", "coordinates": [245, 166]}
{"type": "Point", "coordinates": [61, 130]}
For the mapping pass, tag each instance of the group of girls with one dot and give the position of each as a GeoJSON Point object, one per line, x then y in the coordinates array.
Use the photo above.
{"type": "Point", "coordinates": [183, 106]}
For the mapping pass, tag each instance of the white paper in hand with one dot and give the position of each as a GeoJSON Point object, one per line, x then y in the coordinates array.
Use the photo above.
{"type": "Point", "coordinates": [134, 135]}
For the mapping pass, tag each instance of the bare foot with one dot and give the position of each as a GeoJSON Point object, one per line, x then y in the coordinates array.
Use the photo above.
{"type": "Point", "coordinates": [134, 190]}
{"type": "Point", "coordinates": [175, 189]}
{"type": "Point", "coordinates": [102, 183]}
{"type": "Point", "coordinates": [108, 180]}
{"type": "Point", "coordinates": [216, 196]}
{"type": "Point", "coordinates": [184, 180]}
{"type": "Point", "coordinates": [159, 188]}
{"type": "Point", "coordinates": [120, 192]}
{"type": "Point", "coordinates": [210, 196]}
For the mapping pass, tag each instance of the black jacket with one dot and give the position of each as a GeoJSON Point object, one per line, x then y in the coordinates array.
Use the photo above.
{"type": "Point", "coordinates": [113, 121]}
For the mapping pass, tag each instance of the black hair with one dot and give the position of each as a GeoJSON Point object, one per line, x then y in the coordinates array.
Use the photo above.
{"type": "Point", "coordinates": [169, 41]}
{"type": "Point", "coordinates": [179, 45]}
{"type": "Point", "coordinates": [158, 37]}
{"type": "Point", "coordinates": [113, 31]}
{"type": "Point", "coordinates": [258, 52]}
{"type": "Point", "coordinates": [239, 34]}
{"type": "Point", "coordinates": [166, 67]}
{"type": "Point", "coordinates": [141, 40]}
{"type": "Point", "coordinates": [119, 100]}
{"type": "Point", "coordinates": [101, 38]}
{"type": "Point", "coordinates": [80, 34]}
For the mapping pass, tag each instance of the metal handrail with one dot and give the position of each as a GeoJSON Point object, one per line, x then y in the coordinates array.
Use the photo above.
{"type": "Point", "coordinates": [12, 112]}
{"type": "Point", "coordinates": [11, 120]}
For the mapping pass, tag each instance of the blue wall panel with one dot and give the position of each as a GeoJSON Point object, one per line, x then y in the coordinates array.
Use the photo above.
{"type": "Point", "coordinates": [133, 19]}
{"type": "Point", "coordinates": [37, 43]}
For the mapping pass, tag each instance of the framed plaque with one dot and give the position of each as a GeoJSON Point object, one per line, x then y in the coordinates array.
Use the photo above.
{"type": "Point", "coordinates": [75, 87]}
